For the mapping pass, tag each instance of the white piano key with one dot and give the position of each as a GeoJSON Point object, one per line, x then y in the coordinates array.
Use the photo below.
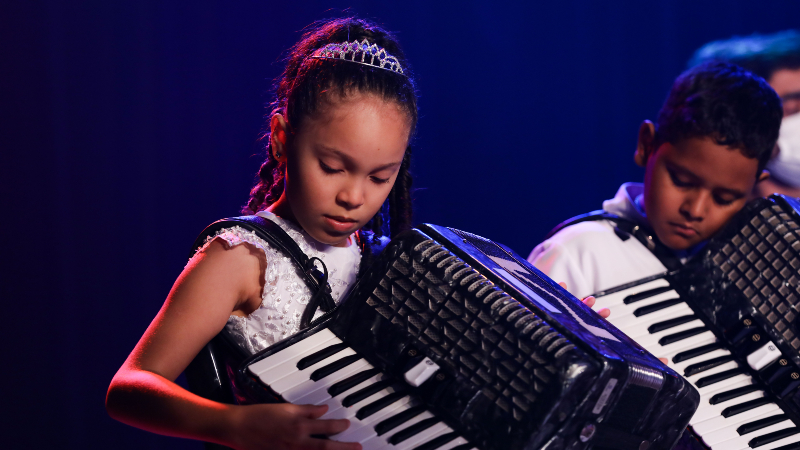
{"type": "Point", "coordinates": [362, 429]}
{"type": "Point", "coordinates": [274, 366]}
{"type": "Point", "coordinates": [709, 411]}
{"type": "Point", "coordinates": [720, 422]}
{"type": "Point", "coordinates": [681, 366]}
{"type": "Point", "coordinates": [781, 442]}
{"type": "Point", "coordinates": [335, 408]}
{"type": "Point", "coordinates": [312, 392]}
{"type": "Point", "coordinates": [424, 436]}
{"type": "Point", "coordinates": [454, 443]}
{"type": "Point", "coordinates": [639, 327]}
{"type": "Point", "coordinates": [720, 368]}
{"type": "Point", "coordinates": [626, 320]}
{"type": "Point", "coordinates": [735, 441]}
{"type": "Point", "coordinates": [616, 298]}
{"type": "Point", "coordinates": [734, 382]}
{"type": "Point", "coordinates": [651, 340]}
{"type": "Point", "coordinates": [670, 350]}
{"type": "Point", "coordinates": [299, 377]}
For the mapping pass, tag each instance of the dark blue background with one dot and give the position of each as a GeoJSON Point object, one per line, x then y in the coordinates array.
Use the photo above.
{"type": "Point", "coordinates": [127, 126]}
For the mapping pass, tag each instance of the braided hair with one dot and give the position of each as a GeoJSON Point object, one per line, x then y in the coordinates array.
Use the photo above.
{"type": "Point", "coordinates": [307, 83]}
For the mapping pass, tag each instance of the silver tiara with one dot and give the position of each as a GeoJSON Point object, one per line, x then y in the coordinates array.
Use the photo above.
{"type": "Point", "coordinates": [370, 55]}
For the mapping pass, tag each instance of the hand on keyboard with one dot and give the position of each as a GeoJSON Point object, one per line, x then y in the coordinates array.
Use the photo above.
{"type": "Point", "coordinates": [589, 301]}
{"type": "Point", "coordinates": [287, 426]}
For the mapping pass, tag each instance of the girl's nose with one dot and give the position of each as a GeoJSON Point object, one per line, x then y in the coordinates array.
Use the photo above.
{"type": "Point", "coordinates": [351, 195]}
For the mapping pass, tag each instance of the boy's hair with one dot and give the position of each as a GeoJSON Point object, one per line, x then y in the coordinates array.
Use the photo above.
{"type": "Point", "coordinates": [726, 103]}
{"type": "Point", "coordinates": [308, 84]}
{"type": "Point", "coordinates": [762, 54]}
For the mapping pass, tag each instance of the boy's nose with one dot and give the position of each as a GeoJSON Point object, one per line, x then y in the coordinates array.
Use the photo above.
{"type": "Point", "coordinates": [351, 195]}
{"type": "Point", "coordinates": [694, 205]}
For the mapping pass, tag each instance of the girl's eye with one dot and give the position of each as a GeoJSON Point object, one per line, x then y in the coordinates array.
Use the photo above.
{"type": "Point", "coordinates": [326, 168]}
{"type": "Point", "coordinates": [377, 180]}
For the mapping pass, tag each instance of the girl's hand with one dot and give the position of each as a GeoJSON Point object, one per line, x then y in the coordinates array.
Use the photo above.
{"type": "Point", "coordinates": [589, 301]}
{"type": "Point", "coordinates": [286, 426]}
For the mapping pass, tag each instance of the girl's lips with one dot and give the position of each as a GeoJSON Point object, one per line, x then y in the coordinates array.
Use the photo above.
{"type": "Point", "coordinates": [340, 224]}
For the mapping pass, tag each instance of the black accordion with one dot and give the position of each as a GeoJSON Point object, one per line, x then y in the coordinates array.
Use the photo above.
{"type": "Point", "coordinates": [729, 321]}
{"type": "Point", "coordinates": [452, 341]}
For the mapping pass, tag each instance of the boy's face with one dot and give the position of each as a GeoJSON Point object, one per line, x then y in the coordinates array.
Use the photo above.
{"type": "Point", "coordinates": [693, 187]}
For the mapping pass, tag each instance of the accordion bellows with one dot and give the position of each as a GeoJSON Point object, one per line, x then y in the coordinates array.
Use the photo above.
{"type": "Point", "coordinates": [520, 363]}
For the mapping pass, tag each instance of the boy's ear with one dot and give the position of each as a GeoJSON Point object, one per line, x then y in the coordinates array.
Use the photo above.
{"type": "Point", "coordinates": [278, 135]}
{"type": "Point", "coordinates": [645, 145]}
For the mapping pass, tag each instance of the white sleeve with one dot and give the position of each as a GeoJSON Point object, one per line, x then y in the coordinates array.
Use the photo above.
{"type": "Point", "coordinates": [557, 263]}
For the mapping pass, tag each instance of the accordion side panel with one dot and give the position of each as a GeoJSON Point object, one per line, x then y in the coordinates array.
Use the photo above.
{"type": "Point", "coordinates": [501, 385]}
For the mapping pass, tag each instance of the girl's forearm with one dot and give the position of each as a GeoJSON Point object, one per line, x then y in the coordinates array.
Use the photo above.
{"type": "Point", "coordinates": [151, 402]}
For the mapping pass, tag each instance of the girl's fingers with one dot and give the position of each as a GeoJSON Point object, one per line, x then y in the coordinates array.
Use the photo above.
{"type": "Point", "coordinates": [588, 301]}
{"type": "Point", "coordinates": [562, 284]}
{"type": "Point", "coordinates": [664, 360]}
{"type": "Point", "coordinates": [311, 411]}
{"type": "Point", "coordinates": [604, 313]}
{"type": "Point", "coordinates": [328, 427]}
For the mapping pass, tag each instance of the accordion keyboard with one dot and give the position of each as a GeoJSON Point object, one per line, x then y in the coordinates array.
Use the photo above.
{"type": "Point", "coordinates": [736, 412]}
{"type": "Point", "coordinates": [322, 370]}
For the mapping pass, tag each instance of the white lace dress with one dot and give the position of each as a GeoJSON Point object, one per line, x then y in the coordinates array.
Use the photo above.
{"type": "Point", "coordinates": [285, 294]}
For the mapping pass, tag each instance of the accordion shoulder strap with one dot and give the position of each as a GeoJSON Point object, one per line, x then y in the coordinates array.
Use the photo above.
{"type": "Point", "coordinates": [624, 229]}
{"type": "Point", "coordinates": [274, 235]}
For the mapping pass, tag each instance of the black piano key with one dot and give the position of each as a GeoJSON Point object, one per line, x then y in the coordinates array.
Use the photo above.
{"type": "Point", "coordinates": [379, 404]}
{"type": "Point", "coordinates": [759, 424]}
{"type": "Point", "coordinates": [646, 294]}
{"type": "Point", "coordinates": [438, 442]}
{"type": "Point", "coordinates": [772, 437]}
{"type": "Point", "coordinates": [717, 377]}
{"type": "Point", "coordinates": [694, 369]}
{"type": "Point", "coordinates": [466, 446]}
{"type": "Point", "coordinates": [776, 370]}
{"type": "Point", "coordinates": [644, 310]}
{"type": "Point", "coordinates": [786, 386]}
{"type": "Point", "coordinates": [398, 419]}
{"type": "Point", "coordinates": [323, 372]}
{"type": "Point", "coordinates": [316, 357]}
{"type": "Point", "coordinates": [695, 352]}
{"type": "Point", "coordinates": [671, 338]}
{"type": "Point", "coordinates": [733, 393]}
{"type": "Point", "coordinates": [667, 324]}
{"type": "Point", "coordinates": [792, 446]}
{"type": "Point", "coordinates": [417, 428]}
{"type": "Point", "coordinates": [361, 394]}
{"type": "Point", "coordinates": [746, 406]}
{"type": "Point", "coordinates": [351, 382]}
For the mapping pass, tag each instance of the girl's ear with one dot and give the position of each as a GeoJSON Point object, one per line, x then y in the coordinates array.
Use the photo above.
{"type": "Point", "coordinates": [645, 145]}
{"type": "Point", "coordinates": [278, 135]}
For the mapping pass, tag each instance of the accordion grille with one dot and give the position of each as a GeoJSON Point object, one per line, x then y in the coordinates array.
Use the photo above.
{"type": "Point", "coordinates": [492, 340]}
{"type": "Point", "coordinates": [763, 261]}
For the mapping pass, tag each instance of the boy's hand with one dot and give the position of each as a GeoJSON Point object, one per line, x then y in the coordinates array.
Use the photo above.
{"type": "Point", "coordinates": [589, 301]}
{"type": "Point", "coordinates": [604, 313]}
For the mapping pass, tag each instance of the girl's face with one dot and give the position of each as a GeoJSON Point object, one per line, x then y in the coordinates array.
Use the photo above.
{"type": "Point", "coordinates": [340, 165]}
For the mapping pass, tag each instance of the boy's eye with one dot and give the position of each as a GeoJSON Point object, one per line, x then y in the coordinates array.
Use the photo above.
{"type": "Point", "coordinates": [723, 201]}
{"type": "Point", "coordinates": [677, 180]}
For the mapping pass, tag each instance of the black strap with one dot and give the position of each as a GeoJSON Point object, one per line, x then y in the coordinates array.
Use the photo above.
{"type": "Point", "coordinates": [274, 235]}
{"type": "Point", "coordinates": [624, 229]}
